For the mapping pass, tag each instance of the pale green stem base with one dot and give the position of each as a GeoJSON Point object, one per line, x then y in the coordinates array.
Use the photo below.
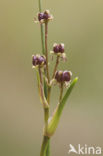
{"type": "Point", "coordinates": [44, 146]}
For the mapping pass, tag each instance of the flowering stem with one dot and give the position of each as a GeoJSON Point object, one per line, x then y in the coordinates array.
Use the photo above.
{"type": "Point", "coordinates": [48, 91]}
{"type": "Point", "coordinates": [42, 31]}
{"type": "Point", "coordinates": [46, 110]}
{"type": "Point", "coordinates": [46, 53]}
{"type": "Point", "coordinates": [46, 50]}
{"type": "Point", "coordinates": [45, 83]}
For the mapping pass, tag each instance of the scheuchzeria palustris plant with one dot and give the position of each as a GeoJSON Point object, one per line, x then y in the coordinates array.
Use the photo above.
{"type": "Point", "coordinates": [45, 83]}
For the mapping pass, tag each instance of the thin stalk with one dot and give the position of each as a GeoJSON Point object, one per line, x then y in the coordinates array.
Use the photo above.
{"type": "Point", "coordinates": [40, 9]}
{"type": "Point", "coordinates": [48, 92]}
{"type": "Point", "coordinates": [61, 92]}
{"type": "Point", "coordinates": [42, 43]}
{"type": "Point", "coordinates": [46, 50]}
{"type": "Point", "coordinates": [56, 65]}
{"type": "Point", "coordinates": [46, 53]}
{"type": "Point", "coordinates": [42, 30]}
{"type": "Point", "coordinates": [55, 68]}
{"type": "Point", "coordinates": [46, 116]}
{"type": "Point", "coordinates": [40, 75]}
{"type": "Point", "coordinates": [46, 111]}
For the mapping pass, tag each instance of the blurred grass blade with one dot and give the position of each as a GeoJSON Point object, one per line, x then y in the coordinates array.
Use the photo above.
{"type": "Point", "coordinates": [53, 123]}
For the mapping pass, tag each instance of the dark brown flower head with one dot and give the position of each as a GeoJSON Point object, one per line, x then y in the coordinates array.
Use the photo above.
{"type": "Point", "coordinates": [58, 48]}
{"type": "Point", "coordinates": [62, 77]}
{"type": "Point", "coordinates": [45, 16]}
{"type": "Point", "coordinates": [38, 60]}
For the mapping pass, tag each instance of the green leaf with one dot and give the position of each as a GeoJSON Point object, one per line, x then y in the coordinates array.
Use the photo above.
{"type": "Point", "coordinates": [53, 123]}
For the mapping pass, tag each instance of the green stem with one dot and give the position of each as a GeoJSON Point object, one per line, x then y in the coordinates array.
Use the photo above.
{"type": "Point", "coordinates": [55, 68]}
{"type": "Point", "coordinates": [61, 92]}
{"type": "Point", "coordinates": [42, 31]}
{"type": "Point", "coordinates": [46, 111]}
{"type": "Point", "coordinates": [56, 65]}
{"type": "Point", "coordinates": [46, 116]}
{"type": "Point", "coordinates": [46, 50]}
{"type": "Point", "coordinates": [48, 149]}
{"type": "Point", "coordinates": [40, 9]}
{"type": "Point", "coordinates": [44, 146]}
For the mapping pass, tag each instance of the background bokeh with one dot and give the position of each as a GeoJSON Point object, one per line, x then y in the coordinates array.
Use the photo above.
{"type": "Point", "coordinates": [77, 23]}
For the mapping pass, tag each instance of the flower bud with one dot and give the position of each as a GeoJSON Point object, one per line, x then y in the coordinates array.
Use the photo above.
{"type": "Point", "coordinates": [45, 16]}
{"type": "Point", "coordinates": [58, 48]}
{"type": "Point", "coordinates": [59, 76]}
{"type": "Point", "coordinates": [38, 60]}
{"type": "Point", "coordinates": [62, 77]}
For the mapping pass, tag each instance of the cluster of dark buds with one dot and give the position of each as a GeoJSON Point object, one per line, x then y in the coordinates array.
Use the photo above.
{"type": "Point", "coordinates": [44, 16]}
{"type": "Point", "coordinates": [58, 49]}
{"type": "Point", "coordinates": [62, 77]}
{"type": "Point", "coordinates": [45, 82]}
{"type": "Point", "coordinates": [38, 60]}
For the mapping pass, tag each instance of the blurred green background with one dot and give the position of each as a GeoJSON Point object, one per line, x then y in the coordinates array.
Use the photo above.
{"type": "Point", "coordinates": [77, 23]}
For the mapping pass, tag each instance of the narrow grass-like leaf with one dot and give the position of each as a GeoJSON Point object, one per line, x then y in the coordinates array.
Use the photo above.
{"type": "Point", "coordinates": [53, 123]}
